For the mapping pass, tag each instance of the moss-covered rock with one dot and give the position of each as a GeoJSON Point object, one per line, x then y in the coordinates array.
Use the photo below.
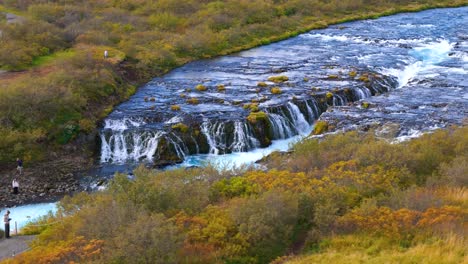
{"type": "Point", "coordinates": [193, 101]}
{"type": "Point", "coordinates": [221, 88]}
{"type": "Point", "coordinates": [201, 88]}
{"type": "Point", "coordinates": [181, 127]}
{"type": "Point", "coordinates": [276, 90]}
{"type": "Point", "coordinates": [278, 79]}
{"type": "Point", "coordinates": [175, 107]}
{"type": "Point", "coordinates": [255, 117]}
{"type": "Point", "coordinates": [320, 127]}
{"type": "Point", "coordinates": [262, 84]}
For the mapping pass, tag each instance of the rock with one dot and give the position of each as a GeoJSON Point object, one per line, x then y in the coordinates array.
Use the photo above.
{"type": "Point", "coordinates": [388, 130]}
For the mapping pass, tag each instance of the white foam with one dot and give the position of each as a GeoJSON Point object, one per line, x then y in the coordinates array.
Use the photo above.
{"type": "Point", "coordinates": [122, 124]}
{"type": "Point", "coordinates": [425, 58]}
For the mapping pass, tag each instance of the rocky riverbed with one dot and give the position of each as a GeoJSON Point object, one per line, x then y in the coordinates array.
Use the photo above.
{"type": "Point", "coordinates": [41, 182]}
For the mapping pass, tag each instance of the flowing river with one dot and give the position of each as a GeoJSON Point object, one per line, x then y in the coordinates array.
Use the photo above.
{"type": "Point", "coordinates": [403, 75]}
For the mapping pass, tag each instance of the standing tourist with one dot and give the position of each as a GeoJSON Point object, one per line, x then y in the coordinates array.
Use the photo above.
{"type": "Point", "coordinates": [6, 220]}
{"type": "Point", "coordinates": [19, 168]}
{"type": "Point", "coordinates": [15, 186]}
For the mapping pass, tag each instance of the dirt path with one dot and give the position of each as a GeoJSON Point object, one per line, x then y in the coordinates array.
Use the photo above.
{"type": "Point", "coordinates": [14, 245]}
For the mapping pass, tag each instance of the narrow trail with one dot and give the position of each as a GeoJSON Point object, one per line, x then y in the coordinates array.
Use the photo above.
{"type": "Point", "coordinates": [14, 245]}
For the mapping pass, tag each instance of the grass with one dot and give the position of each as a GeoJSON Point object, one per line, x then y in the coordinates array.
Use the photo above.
{"type": "Point", "coordinates": [365, 249]}
{"type": "Point", "coordinates": [47, 59]}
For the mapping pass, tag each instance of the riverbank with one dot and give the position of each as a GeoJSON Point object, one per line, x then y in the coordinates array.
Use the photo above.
{"type": "Point", "coordinates": [46, 181]}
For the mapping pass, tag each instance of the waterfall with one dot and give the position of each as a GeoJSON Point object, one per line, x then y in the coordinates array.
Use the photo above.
{"type": "Point", "coordinates": [298, 118]}
{"type": "Point", "coordinates": [243, 138]}
{"type": "Point", "coordinates": [362, 92]}
{"type": "Point", "coordinates": [214, 134]}
{"type": "Point", "coordinates": [281, 126]}
{"type": "Point", "coordinates": [339, 100]}
{"type": "Point", "coordinates": [313, 111]}
{"type": "Point", "coordinates": [121, 146]}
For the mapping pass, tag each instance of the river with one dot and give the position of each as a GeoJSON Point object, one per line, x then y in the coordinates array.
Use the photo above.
{"type": "Point", "coordinates": [410, 69]}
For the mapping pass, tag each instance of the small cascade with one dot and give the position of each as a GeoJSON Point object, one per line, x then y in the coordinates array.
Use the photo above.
{"type": "Point", "coordinates": [179, 146]}
{"type": "Point", "coordinates": [120, 146]}
{"type": "Point", "coordinates": [339, 100]}
{"type": "Point", "coordinates": [243, 138]}
{"type": "Point", "coordinates": [214, 133]}
{"type": "Point", "coordinates": [312, 110]}
{"type": "Point", "coordinates": [362, 93]}
{"type": "Point", "coordinates": [281, 126]}
{"type": "Point", "coordinates": [298, 118]}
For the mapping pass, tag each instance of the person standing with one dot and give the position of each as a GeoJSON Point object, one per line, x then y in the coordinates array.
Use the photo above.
{"type": "Point", "coordinates": [6, 220]}
{"type": "Point", "coordinates": [15, 186]}
{"type": "Point", "coordinates": [19, 168]}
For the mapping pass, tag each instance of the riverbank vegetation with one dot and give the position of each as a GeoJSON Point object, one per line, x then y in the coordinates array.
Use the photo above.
{"type": "Point", "coordinates": [346, 198]}
{"type": "Point", "coordinates": [60, 85]}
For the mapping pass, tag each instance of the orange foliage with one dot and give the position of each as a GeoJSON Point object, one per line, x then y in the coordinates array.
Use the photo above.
{"type": "Point", "coordinates": [77, 250]}
{"type": "Point", "coordinates": [398, 223]}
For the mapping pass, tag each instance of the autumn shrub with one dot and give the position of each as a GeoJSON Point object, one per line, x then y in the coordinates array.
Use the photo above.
{"type": "Point", "coordinates": [320, 127]}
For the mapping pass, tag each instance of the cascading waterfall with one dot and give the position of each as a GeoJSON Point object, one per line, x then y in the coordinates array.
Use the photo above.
{"type": "Point", "coordinates": [281, 126]}
{"type": "Point", "coordinates": [214, 133]}
{"type": "Point", "coordinates": [298, 118]}
{"type": "Point", "coordinates": [339, 100]}
{"type": "Point", "coordinates": [243, 138]}
{"type": "Point", "coordinates": [124, 145]}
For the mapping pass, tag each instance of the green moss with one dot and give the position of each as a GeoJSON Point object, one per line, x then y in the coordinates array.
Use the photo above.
{"type": "Point", "coordinates": [278, 79]}
{"type": "Point", "coordinates": [329, 95]}
{"type": "Point", "coordinates": [254, 117]}
{"type": "Point", "coordinates": [175, 107]}
{"type": "Point", "coordinates": [262, 84]}
{"type": "Point", "coordinates": [221, 88]}
{"type": "Point", "coordinates": [201, 88]}
{"type": "Point", "coordinates": [320, 127]}
{"type": "Point", "coordinates": [193, 101]}
{"type": "Point", "coordinates": [181, 127]}
{"type": "Point", "coordinates": [276, 90]}
{"type": "Point", "coordinates": [364, 78]}
{"type": "Point", "coordinates": [365, 105]}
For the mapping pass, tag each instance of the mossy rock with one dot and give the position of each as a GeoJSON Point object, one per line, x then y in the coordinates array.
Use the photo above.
{"type": "Point", "coordinates": [193, 101]}
{"type": "Point", "coordinates": [221, 88]}
{"type": "Point", "coordinates": [152, 99]}
{"type": "Point", "coordinates": [329, 95]}
{"type": "Point", "coordinates": [255, 117]}
{"type": "Point", "coordinates": [365, 105]}
{"type": "Point", "coordinates": [364, 78]}
{"type": "Point", "coordinates": [201, 88]}
{"type": "Point", "coordinates": [320, 127]}
{"type": "Point", "coordinates": [175, 107]}
{"type": "Point", "coordinates": [276, 90]}
{"type": "Point", "coordinates": [181, 127]}
{"type": "Point", "coordinates": [278, 79]}
{"type": "Point", "coordinates": [262, 84]}
{"type": "Point", "coordinates": [333, 76]}
{"type": "Point", "coordinates": [352, 74]}
{"type": "Point", "coordinates": [182, 95]}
